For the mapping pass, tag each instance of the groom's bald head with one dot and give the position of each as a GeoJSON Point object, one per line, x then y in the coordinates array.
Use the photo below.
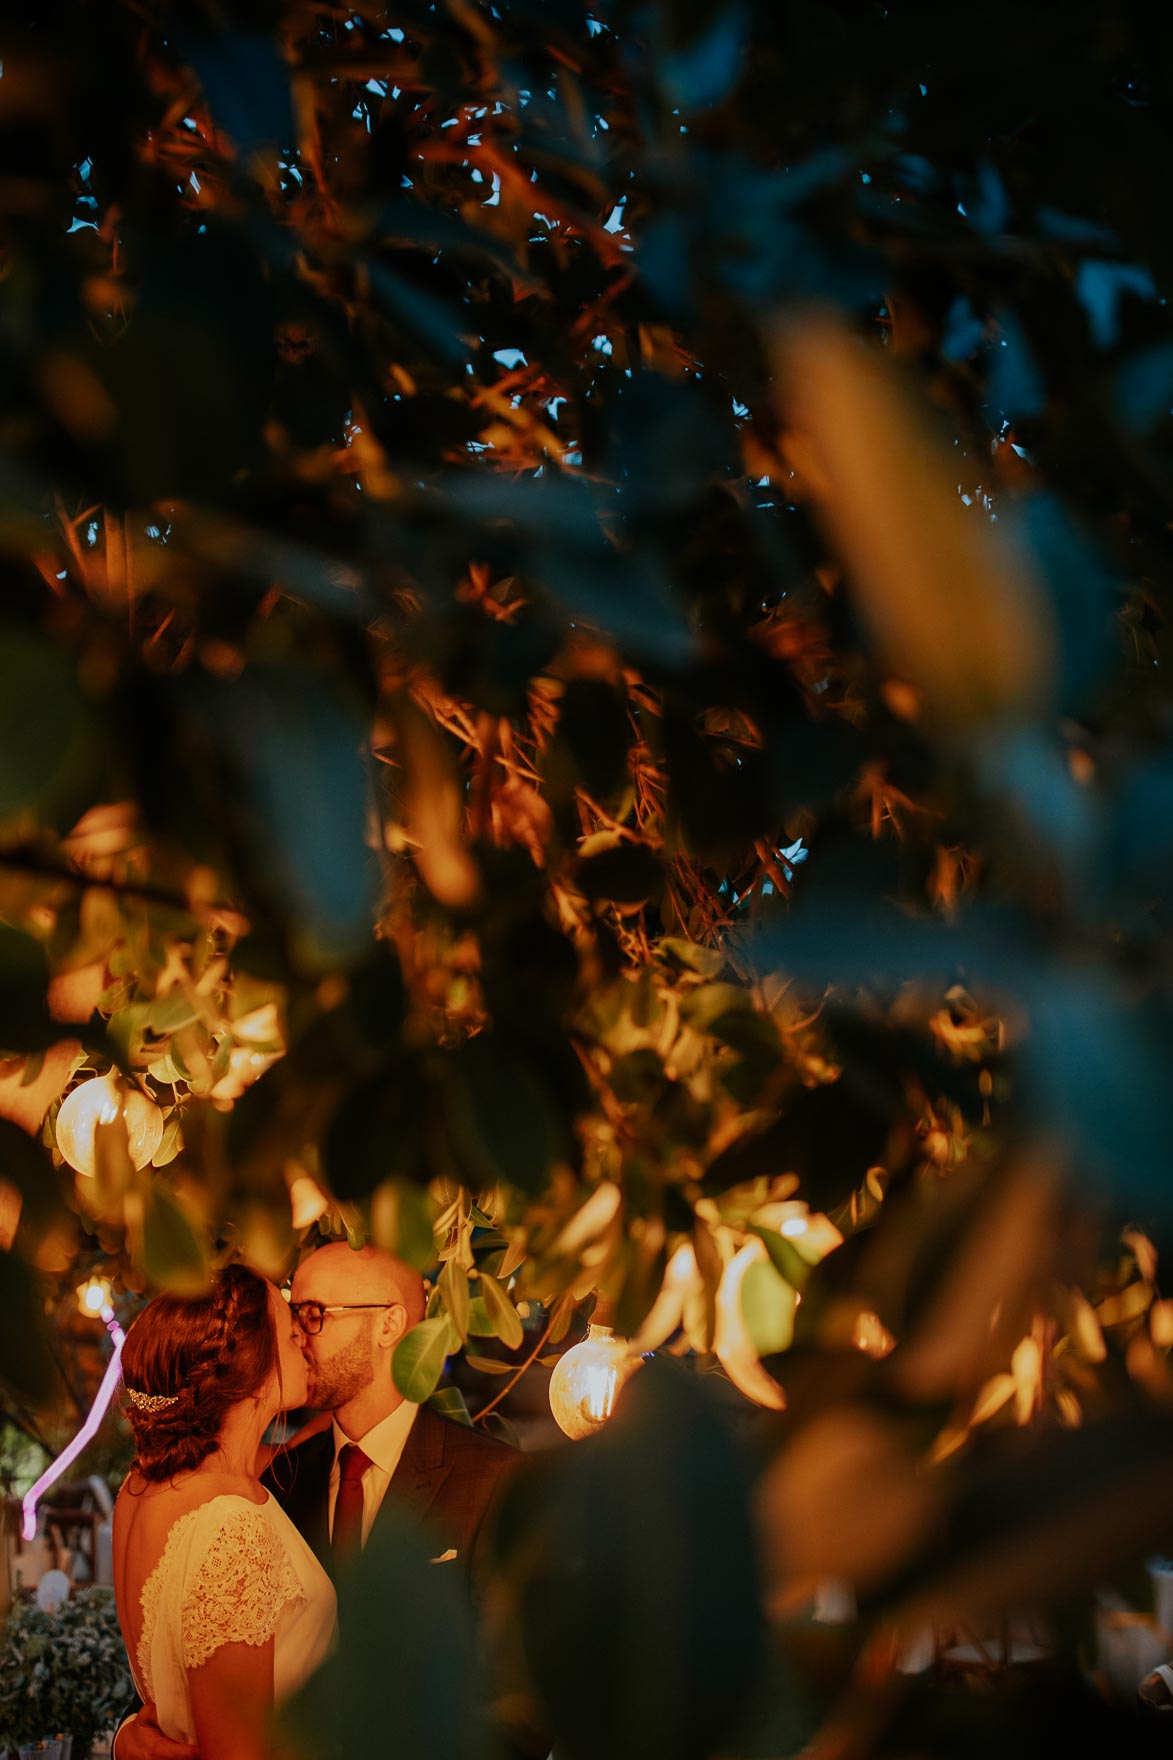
{"type": "Point", "coordinates": [340, 1273]}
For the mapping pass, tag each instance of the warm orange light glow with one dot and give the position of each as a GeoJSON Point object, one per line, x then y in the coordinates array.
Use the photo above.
{"type": "Point", "coordinates": [94, 1297]}
{"type": "Point", "coordinates": [307, 1200]}
{"type": "Point", "coordinates": [871, 1336]}
{"type": "Point", "coordinates": [99, 1102]}
{"type": "Point", "coordinates": [10, 1204]}
{"type": "Point", "coordinates": [733, 1344]}
{"type": "Point", "coordinates": [587, 1379]}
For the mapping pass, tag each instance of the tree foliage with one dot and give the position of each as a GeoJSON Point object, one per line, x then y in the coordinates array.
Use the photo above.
{"type": "Point", "coordinates": [584, 692]}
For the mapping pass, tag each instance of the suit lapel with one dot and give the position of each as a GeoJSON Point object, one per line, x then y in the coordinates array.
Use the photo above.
{"type": "Point", "coordinates": [423, 1466]}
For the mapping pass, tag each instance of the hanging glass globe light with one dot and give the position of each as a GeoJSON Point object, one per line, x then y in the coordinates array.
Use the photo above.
{"type": "Point", "coordinates": [587, 1379]}
{"type": "Point", "coordinates": [100, 1101]}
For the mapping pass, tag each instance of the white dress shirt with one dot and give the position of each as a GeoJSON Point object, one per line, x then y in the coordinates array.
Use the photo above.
{"type": "Point", "coordinates": [383, 1445]}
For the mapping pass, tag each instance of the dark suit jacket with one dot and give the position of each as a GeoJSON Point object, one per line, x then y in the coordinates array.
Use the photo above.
{"type": "Point", "coordinates": [448, 1476]}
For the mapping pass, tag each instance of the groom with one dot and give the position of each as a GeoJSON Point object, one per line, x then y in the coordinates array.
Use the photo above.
{"type": "Point", "coordinates": [378, 1450]}
{"type": "Point", "coordinates": [353, 1307]}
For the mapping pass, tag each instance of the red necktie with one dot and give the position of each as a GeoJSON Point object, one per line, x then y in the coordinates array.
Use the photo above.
{"type": "Point", "coordinates": [352, 1464]}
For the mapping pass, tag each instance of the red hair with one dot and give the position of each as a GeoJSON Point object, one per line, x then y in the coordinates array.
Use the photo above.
{"type": "Point", "coordinates": [206, 1353]}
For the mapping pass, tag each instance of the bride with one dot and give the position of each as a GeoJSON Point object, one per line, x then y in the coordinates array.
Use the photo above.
{"type": "Point", "coordinates": [223, 1607]}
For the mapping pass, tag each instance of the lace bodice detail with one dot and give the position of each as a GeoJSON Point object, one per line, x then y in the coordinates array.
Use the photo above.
{"type": "Point", "coordinates": [240, 1585]}
{"type": "Point", "coordinates": [231, 1572]}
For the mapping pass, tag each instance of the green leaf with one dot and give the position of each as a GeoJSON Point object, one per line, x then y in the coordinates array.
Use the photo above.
{"type": "Point", "coordinates": [401, 1222]}
{"type": "Point", "coordinates": [489, 1366]}
{"type": "Point", "coordinates": [169, 1013]}
{"type": "Point", "coordinates": [448, 1402]}
{"type": "Point", "coordinates": [767, 1305]}
{"type": "Point", "coordinates": [480, 1321]}
{"type": "Point", "coordinates": [457, 1297]}
{"type": "Point", "coordinates": [712, 1002]}
{"type": "Point", "coordinates": [170, 1143]}
{"type": "Point", "coordinates": [506, 1320]}
{"type": "Point", "coordinates": [707, 961]}
{"type": "Point", "coordinates": [173, 1256]}
{"type": "Point", "coordinates": [420, 1356]}
{"type": "Point", "coordinates": [784, 1257]}
{"type": "Point", "coordinates": [44, 761]}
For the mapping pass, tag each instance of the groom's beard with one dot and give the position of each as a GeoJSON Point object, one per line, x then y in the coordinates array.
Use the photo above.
{"type": "Point", "coordinates": [344, 1376]}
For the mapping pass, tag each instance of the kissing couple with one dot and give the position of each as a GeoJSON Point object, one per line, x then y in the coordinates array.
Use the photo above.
{"type": "Point", "coordinates": [225, 1548]}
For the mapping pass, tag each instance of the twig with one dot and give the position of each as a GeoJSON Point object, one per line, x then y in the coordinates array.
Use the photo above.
{"type": "Point", "coordinates": [25, 861]}
{"type": "Point", "coordinates": [515, 1378]}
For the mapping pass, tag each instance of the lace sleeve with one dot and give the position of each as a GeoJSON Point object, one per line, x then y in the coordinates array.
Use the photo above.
{"type": "Point", "coordinates": [238, 1588]}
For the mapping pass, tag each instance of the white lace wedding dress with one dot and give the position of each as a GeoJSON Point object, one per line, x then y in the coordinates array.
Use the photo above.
{"type": "Point", "coordinates": [231, 1572]}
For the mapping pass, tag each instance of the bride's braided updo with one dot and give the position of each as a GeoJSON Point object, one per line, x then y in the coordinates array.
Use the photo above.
{"type": "Point", "coordinates": [194, 1357]}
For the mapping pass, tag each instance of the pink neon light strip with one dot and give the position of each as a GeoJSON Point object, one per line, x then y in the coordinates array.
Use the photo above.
{"type": "Point", "coordinates": [71, 1451]}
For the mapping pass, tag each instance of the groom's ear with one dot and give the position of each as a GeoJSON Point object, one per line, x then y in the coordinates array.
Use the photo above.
{"type": "Point", "coordinates": [393, 1325]}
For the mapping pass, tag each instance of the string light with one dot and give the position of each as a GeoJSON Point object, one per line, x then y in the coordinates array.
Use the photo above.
{"type": "Point", "coordinates": [97, 1289]}
{"type": "Point", "coordinates": [587, 1379]}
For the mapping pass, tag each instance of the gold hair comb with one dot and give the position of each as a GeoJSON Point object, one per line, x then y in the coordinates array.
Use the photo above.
{"type": "Point", "coordinates": [150, 1402]}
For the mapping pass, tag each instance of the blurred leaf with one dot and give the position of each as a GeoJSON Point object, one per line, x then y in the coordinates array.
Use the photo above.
{"type": "Point", "coordinates": [1096, 1063]}
{"type": "Point", "coordinates": [947, 611]}
{"type": "Point", "coordinates": [246, 83]}
{"type": "Point", "coordinates": [595, 732]}
{"type": "Point", "coordinates": [377, 1132]}
{"type": "Point", "coordinates": [295, 743]}
{"type": "Point", "coordinates": [1036, 1520]}
{"type": "Point", "coordinates": [434, 800]}
{"type": "Point", "coordinates": [26, 1364]}
{"type": "Point", "coordinates": [173, 1256]}
{"type": "Point", "coordinates": [620, 1550]}
{"type": "Point", "coordinates": [709, 962]}
{"type": "Point", "coordinates": [24, 987]}
{"type": "Point", "coordinates": [844, 1498]}
{"type": "Point", "coordinates": [703, 71]}
{"type": "Point", "coordinates": [427, 1673]}
{"type": "Point", "coordinates": [1144, 386]}
{"type": "Point", "coordinates": [44, 731]}
{"type": "Point", "coordinates": [25, 1164]}
{"type": "Point", "coordinates": [401, 1223]}
{"type": "Point", "coordinates": [500, 1114]}
{"type": "Point", "coordinates": [767, 1307]}
{"type": "Point", "coordinates": [1101, 286]}
{"type": "Point", "coordinates": [627, 874]}
{"type": "Point", "coordinates": [1016, 385]}
{"type": "Point", "coordinates": [506, 1320]}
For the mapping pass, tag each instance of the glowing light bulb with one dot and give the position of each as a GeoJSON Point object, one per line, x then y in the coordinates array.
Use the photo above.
{"type": "Point", "coordinates": [99, 1102]}
{"type": "Point", "coordinates": [587, 1379]}
{"type": "Point", "coordinates": [94, 1297]}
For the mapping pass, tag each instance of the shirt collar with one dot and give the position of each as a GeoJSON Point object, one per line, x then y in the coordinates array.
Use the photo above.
{"type": "Point", "coordinates": [384, 1442]}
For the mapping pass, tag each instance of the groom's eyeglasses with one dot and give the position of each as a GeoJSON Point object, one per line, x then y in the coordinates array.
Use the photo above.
{"type": "Point", "coordinates": [310, 1315]}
